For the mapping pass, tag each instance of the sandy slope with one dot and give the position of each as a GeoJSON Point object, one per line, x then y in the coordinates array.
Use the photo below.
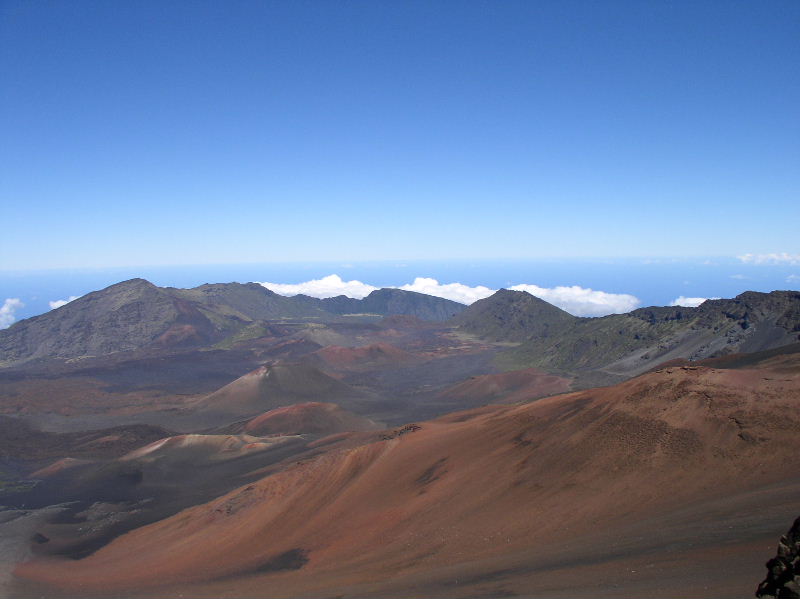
{"type": "Point", "coordinates": [675, 483]}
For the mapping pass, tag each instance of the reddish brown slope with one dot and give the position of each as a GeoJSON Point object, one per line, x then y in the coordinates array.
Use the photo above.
{"type": "Point", "coordinates": [271, 386]}
{"type": "Point", "coordinates": [666, 485]}
{"type": "Point", "coordinates": [508, 387]}
{"type": "Point", "coordinates": [310, 417]}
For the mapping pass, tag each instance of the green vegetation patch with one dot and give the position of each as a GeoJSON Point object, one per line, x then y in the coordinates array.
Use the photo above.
{"type": "Point", "coordinates": [251, 331]}
{"type": "Point", "coordinates": [11, 482]}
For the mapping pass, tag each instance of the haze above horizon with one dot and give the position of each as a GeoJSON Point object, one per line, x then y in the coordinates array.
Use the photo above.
{"type": "Point", "coordinates": [204, 132]}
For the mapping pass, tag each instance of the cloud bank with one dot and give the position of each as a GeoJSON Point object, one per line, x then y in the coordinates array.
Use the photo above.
{"type": "Point", "coordinates": [457, 292]}
{"type": "Point", "coordinates": [579, 301]}
{"type": "Point", "coordinates": [689, 302]}
{"type": "Point", "coordinates": [7, 310]}
{"type": "Point", "coordinates": [582, 301]}
{"type": "Point", "coordinates": [779, 258]}
{"type": "Point", "coordinates": [58, 303]}
{"type": "Point", "coordinates": [329, 286]}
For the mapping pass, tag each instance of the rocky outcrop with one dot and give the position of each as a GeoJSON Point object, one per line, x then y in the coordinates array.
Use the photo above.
{"type": "Point", "coordinates": [783, 570]}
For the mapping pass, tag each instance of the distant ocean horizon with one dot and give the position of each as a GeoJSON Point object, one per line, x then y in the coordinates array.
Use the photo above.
{"type": "Point", "coordinates": [653, 282]}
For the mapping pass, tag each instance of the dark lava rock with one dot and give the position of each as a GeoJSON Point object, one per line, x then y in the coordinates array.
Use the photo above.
{"type": "Point", "coordinates": [783, 570]}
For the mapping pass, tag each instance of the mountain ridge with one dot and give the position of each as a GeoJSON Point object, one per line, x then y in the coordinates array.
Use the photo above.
{"type": "Point", "coordinates": [135, 314]}
{"type": "Point", "coordinates": [623, 345]}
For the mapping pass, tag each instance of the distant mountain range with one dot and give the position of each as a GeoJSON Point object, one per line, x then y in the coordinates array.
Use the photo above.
{"type": "Point", "coordinates": [136, 314]}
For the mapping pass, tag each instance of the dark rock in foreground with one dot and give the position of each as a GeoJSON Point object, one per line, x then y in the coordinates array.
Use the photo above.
{"type": "Point", "coordinates": [783, 570]}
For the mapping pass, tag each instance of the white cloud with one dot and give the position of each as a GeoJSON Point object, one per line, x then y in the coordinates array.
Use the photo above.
{"type": "Point", "coordinates": [453, 291]}
{"type": "Point", "coordinates": [793, 279]}
{"type": "Point", "coordinates": [578, 301]}
{"type": "Point", "coordinates": [778, 258]}
{"type": "Point", "coordinates": [689, 302]}
{"type": "Point", "coordinates": [329, 286]}
{"type": "Point", "coordinates": [582, 301]}
{"type": "Point", "coordinates": [739, 277]}
{"type": "Point", "coordinates": [58, 303]}
{"type": "Point", "coordinates": [7, 310]}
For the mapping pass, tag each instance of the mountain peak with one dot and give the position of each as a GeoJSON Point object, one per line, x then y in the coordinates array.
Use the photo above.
{"type": "Point", "coordinates": [510, 293]}
{"type": "Point", "coordinates": [512, 316]}
{"type": "Point", "coordinates": [131, 281]}
{"type": "Point", "coordinates": [392, 292]}
{"type": "Point", "coordinates": [135, 283]}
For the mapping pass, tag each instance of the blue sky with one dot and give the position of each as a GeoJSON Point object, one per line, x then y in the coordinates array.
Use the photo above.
{"type": "Point", "coordinates": [158, 133]}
